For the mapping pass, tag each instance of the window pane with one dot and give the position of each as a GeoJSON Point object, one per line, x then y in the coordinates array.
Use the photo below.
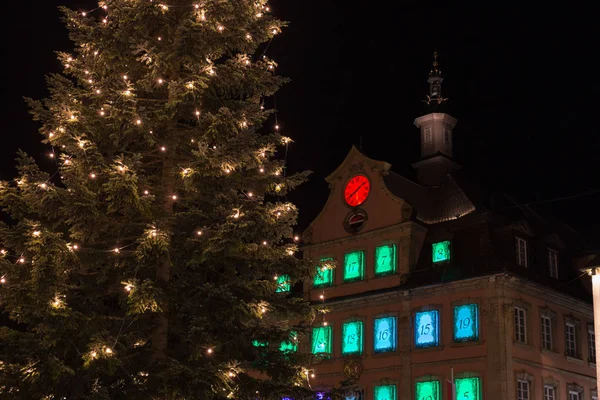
{"type": "Point", "coordinates": [385, 260]}
{"type": "Point", "coordinates": [352, 342]}
{"type": "Point", "coordinates": [466, 326]}
{"type": "Point", "coordinates": [427, 390]}
{"type": "Point", "coordinates": [321, 340]}
{"type": "Point", "coordinates": [384, 334]}
{"type": "Point", "coordinates": [283, 284]}
{"type": "Point", "coordinates": [467, 389]}
{"type": "Point", "coordinates": [324, 275]}
{"type": "Point", "coordinates": [426, 328]}
{"type": "Point", "coordinates": [354, 266]}
{"type": "Point", "coordinates": [441, 251]}
{"type": "Point", "coordinates": [387, 392]}
{"type": "Point", "coordinates": [290, 345]}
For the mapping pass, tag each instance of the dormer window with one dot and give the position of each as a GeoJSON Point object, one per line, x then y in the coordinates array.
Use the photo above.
{"type": "Point", "coordinates": [553, 263]}
{"type": "Point", "coordinates": [521, 248]}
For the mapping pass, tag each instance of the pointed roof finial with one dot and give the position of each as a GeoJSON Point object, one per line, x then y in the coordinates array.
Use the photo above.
{"type": "Point", "coordinates": [435, 70]}
{"type": "Point", "coordinates": [435, 83]}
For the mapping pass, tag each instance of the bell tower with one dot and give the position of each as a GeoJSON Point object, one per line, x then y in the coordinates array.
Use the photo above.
{"type": "Point", "coordinates": [436, 133]}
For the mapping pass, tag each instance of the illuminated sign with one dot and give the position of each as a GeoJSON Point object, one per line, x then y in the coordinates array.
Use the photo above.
{"type": "Point", "coordinates": [467, 388]}
{"type": "Point", "coordinates": [324, 275]}
{"type": "Point", "coordinates": [466, 326]}
{"type": "Point", "coordinates": [385, 260]}
{"type": "Point", "coordinates": [321, 340]}
{"type": "Point", "coordinates": [354, 266]}
{"type": "Point", "coordinates": [426, 329]}
{"type": "Point", "coordinates": [289, 346]}
{"type": "Point", "coordinates": [384, 338]}
{"type": "Point", "coordinates": [440, 251]}
{"type": "Point", "coordinates": [428, 390]}
{"type": "Point", "coordinates": [283, 284]}
{"type": "Point", "coordinates": [387, 392]}
{"type": "Point", "coordinates": [352, 337]}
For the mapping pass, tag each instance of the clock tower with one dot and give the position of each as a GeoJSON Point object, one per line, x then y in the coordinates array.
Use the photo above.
{"type": "Point", "coordinates": [436, 133]}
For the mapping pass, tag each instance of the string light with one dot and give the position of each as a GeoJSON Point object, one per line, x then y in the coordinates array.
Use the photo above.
{"type": "Point", "coordinates": [37, 233]}
{"type": "Point", "coordinates": [43, 185]}
{"type": "Point", "coordinates": [250, 194]}
{"type": "Point", "coordinates": [93, 175]}
{"type": "Point", "coordinates": [139, 122]}
{"type": "Point", "coordinates": [116, 250]}
{"type": "Point", "coordinates": [209, 351]}
{"type": "Point", "coordinates": [262, 170]}
{"type": "Point", "coordinates": [163, 148]}
{"type": "Point", "coordinates": [324, 323]}
{"type": "Point", "coordinates": [51, 155]}
{"type": "Point", "coordinates": [160, 81]}
{"type": "Point", "coordinates": [108, 350]}
{"type": "Point", "coordinates": [146, 192]}
{"type": "Point", "coordinates": [3, 280]}
{"type": "Point", "coordinates": [264, 243]}
{"type": "Point", "coordinates": [322, 297]}
{"type": "Point", "coordinates": [296, 238]}
{"type": "Point", "coordinates": [22, 260]}
{"type": "Point", "coordinates": [93, 354]}
{"type": "Point", "coordinates": [174, 197]}
{"type": "Point", "coordinates": [199, 233]}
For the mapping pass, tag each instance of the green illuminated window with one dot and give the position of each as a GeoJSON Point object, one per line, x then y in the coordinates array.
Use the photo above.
{"type": "Point", "coordinates": [441, 251]}
{"type": "Point", "coordinates": [426, 329]}
{"type": "Point", "coordinates": [283, 284]}
{"type": "Point", "coordinates": [385, 260]}
{"type": "Point", "coordinates": [259, 343]}
{"type": "Point", "coordinates": [387, 392]}
{"type": "Point", "coordinates": [321, 340]}
{"type": "Point", "coordinates": [384, 330]}
{"type": "Point", "coordinates": [467, 389]}
{"type": "Point", "coordinates": [290, 345]}
{"type": "Point", "coordinates": [428, 390]}
{"type": "Point", "coordinates": [324, 275]}
{"type": "Point", "coordinates": [354, 266]}
{"type": "Point", "coordinates": [466, 323]}
{"type": "Point", "coordinates": [352, 337]}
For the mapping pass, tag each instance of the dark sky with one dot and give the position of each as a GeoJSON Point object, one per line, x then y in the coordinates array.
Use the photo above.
{"type": "Point", "coordinates": [522, 82]}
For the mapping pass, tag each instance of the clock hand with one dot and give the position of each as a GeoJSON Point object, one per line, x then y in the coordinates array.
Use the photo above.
{"type": "Point", "coordinates": [352, 194]}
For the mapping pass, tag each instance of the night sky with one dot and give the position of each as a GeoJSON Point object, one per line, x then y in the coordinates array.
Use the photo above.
{"type": "Point", "coordinates": [522, 83]}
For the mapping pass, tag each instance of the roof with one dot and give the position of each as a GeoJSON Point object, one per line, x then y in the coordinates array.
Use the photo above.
{"type": "Point", "coordinates": [435, 204]}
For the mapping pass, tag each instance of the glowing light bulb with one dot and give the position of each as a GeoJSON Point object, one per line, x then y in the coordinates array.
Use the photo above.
{"type": "Point", "coordinates": [3, 280]}
{"type": "Point", "coordinates": [72, 117]}
{"type": "Point", "coordinates": [90, 81]}
{"type": "Point", "coordinates": [174, 197]}
{"type": "Point", "coordinates": [37, 233]}
{"type": "Point", "coordinates": [209, 351]}
{"type": "Point", "coordinates": [125, 77]}
{"type": "Point", "coordinates": [196, 6]}
{"type": "Point", "coordinates": [128, 288]}
{"type": "Point", "coordinates": [93, 354]}
{"type": "Point", "coordinates": [163, 148]}
{"type": "Point", "coordinates": [248, 36]}
{"type": "Point", "coordinates": [81, 144]}
{"type": "Point", "coordinates": [275, 278]}
{"type": "Point", "coordinates": [263, 310]}
{"type": "Point", "coordinates": [83, 14]}
{"type": "Point", "coordinates": [98, 91]}
{"type": "Point", "coordinates": [96, 53]}
{"type": "Point", "coordinates": [274, 31]}
{"type": "Point", "coordinates": [43, 186]}
{"type": "Point", "coordinates": [116, 250]}
{"type": "Point", "coordinates": [160, 81]}
{"type": "Point", "coordinates": [3, 252]}
{"type": "Point", "coordinates": [250, 194]}
{"type": "Point", "coordinates": [220, 28]}
{"type": "Point", "coordinates": [321, 297]}
{"type": "Point", "coordinates": [262, 170]}
{"type": "Point", "coordinates": [312, 375]}
{"type": "Point", "coordinates": [51, 134]}
{"type": "Point", "coordinates": [93, 175]}
{"type": "Point", "coordinates": [247, 62]}
{"type": "Point", "coordinates": [276, 127]}
{"type": "Point", "coordinates": [121, 168]}
{"type": "Point", "coordinates": [159, 38]}
{"type": "Point", "coordinates": [75, 247]}
{"type": "Point", "coordinates": [105, 20]}
{"type": "Point", "coordinates": [102, 113]}
{"type": "Point", "coordinates": [199, 233]}
{"type": "Point", "coordinates": [22, 260]}
{"type": "Point", "coordinates": [51, 155]}
{"type": "Point", "coordinates": [67, 161]}
{"type": "Point", "coordinates": [325, 323]}
{"type": "Point", "coordinates": [264, 243]}
{"type": "Point", "coordinates": [258, 15]}
{"type": "Point", "coordinates": [108, 350]}
{"type": "Point", "coordinates": [146, 192]}
{"type": "Point", "coordinates": [296, 238]}
{"type": "Point", "coordinates": [139, 122]}
{"type": "Point", "coordinates": [197, 113]}
{"type": "Point", "coordinates": [231, 374]}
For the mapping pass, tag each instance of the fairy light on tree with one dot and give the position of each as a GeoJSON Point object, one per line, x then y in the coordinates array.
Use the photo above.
{"type": "Point", "coordinates": [151, 179]}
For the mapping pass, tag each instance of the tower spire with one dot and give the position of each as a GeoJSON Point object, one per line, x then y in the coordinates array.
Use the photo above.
{"type": "Point", "coordinates": [435, 83]}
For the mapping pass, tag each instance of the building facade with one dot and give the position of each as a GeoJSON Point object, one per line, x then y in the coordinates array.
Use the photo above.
{"type": "Point", "coordinates": [433, 280]}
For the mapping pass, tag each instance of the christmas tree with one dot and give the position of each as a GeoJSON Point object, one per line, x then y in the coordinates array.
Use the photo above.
{"type": "Point", "coordinates": [157, 261]}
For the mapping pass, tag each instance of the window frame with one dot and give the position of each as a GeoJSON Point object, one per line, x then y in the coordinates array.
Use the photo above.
{"type": "Point", "coordinates": [553, 266]}
{"type": "Point", "coordinates": [545, 394]}
{"type": "Point", "coordinates": [394, 246]}
{"type": "Point", "coordinates": [362, 267]}
{"type": "Point", "coordinates": [523, 385]}
{"type": "Point", "coordinates": [568, 352]}
{"type": "Point", "coordinates": [331, 281]}
{"type": "Point", "coordinates": [518, 241]}
{"type": "Point", "coordinates": [591, 344]}
{"type": "Point", "coordinates": [328, 328]}
{"type": "Point", "coordinates": [394, 333]}
{"type": "Point", "coordinates": [477, 337]}
{"type": "Point", "coordinates": [361, 346]}
{"type": "Point", "coordinates": [550, 338]}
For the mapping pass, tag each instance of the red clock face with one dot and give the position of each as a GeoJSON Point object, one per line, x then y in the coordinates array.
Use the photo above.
{"type": "Point", "coordinates": [357, 190]}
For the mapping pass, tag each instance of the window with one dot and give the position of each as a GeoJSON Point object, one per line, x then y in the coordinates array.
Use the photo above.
{"type": "Point", "coordinates": [440, 251]}
{"type": "Point", "coordinates": [549, 392]}
{"type": "Point", "coordinates": [426, 329]}
{"type": "Point", "coordinates": [428, 137]}
{"type": "Point", "coordinates": [290, 345]}
{"type": "Point", "coordinates": [466, 325]}
{"type": "Point", "coordinates": [571, 340]}
{"type": "Point", "coordinates": [321, 340]}
{"type": "Point", "coordinates": [521, 246]}
{"type": "Point", "coordinates": [429, 390]}
{"type": "Point", "coordinates": [385, 260]}
{"type": "Point", "coordinates": [546, 333]}
{"type": "Point", "coordinates": [591, 344]}
{"type": "Point", "coordinates": [573, 395]}
{"type": "Point", "coordinates": [553, 263]}
{"type": "Point", "coordinates": [467, 389]}
{"type": "Point", "coordinates": [283, 284]}
{"type": "Point", "coordinates": [356, 395]}
{"type": "Point", "coordinates": [354, 266]}
{"type": "Point", "coordinates": [352, 338]}
{"type": "Point", "coordinates": [324, 274]}
{"type": "Point", "coordinates": [522, 390]}
{"type": "Point", "coordinates": [520, 325]}
{"type": "Point", "coordinates": [384, 334]}
{"type": "Point", "coordinates": [386, 392]}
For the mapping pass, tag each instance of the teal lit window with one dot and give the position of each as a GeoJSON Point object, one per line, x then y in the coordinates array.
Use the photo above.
{"type": "Point", "coordinates": [290, 345]}
{"type": "Point", "coordinates": [324, 274]}
{"type": "Point", "coordinates": [440, 251]}
{"type": "Point", "coordinates": [384, 338]}
{"type": "Point", "coordinates": [467, 389]}
{"type": "Point", "coordinates": [426, 329]}
{"type": "Point", "coordinates": [352, 337]}
{"type": "Point", "coordinates": [385, 260]}
{"type": "Point", "coordinates": [354, 396]}
{"type": "Point", "coordinates": [321, 340]}
{"type": "Point", "coordinates": [259, 343]}
{"type": "Point", "coordinates": [283, 284]}
{"type": "Point", "coordinates": [354, 266]}
{"type": "Point", "coordinates": [428, 390]}
{"type": "Point", "coordinates": [386, 392]}
{"type": "Point", "coordinates": [466, 325]}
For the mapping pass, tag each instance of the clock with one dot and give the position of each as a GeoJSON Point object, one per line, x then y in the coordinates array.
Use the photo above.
{"type": "Point", "coordinates": [356, 191]}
